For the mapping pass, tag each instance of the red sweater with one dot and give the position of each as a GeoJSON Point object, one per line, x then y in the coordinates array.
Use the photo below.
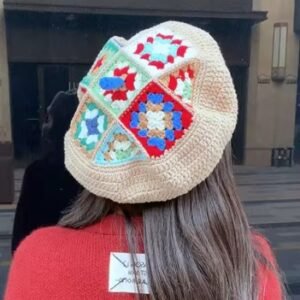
{"type": "Point", "coordinates": [66, 264]}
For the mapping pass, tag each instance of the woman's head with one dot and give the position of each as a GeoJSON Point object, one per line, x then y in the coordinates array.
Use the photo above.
{"type": "Point", "coordinates": [198, 245]}
{"type": "Point", "coordinates": [151, 136]}
{"type": "Point", "coordinates": [59, 115]}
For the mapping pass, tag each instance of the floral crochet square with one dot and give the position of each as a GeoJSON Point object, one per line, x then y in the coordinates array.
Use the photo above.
{"type": "Point", "coordinates": [119, 84]}
{"type": "Point", "coordinates": [90, 125]}
{"type": "Point", "coordinates": [156, 119]}
{"type": "Point", "coordinates": [119, 147]}
{"type": "Point", "coordinates": [181, 81]}
{"type": "Point", "coordinates": [159, 51]}
{"type": "Point", "coordinates": [110, 48]}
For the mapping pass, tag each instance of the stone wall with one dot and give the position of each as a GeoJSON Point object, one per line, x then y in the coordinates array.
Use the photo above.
{"type": "Point", "coordinates": [271, 106]}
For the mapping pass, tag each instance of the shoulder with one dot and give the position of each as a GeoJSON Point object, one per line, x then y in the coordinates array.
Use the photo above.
{"type": "Point", "coordinates": [46, 241]}
{"type": "Point", "coordinates": [35, 166]}
{"type": "Point", "coordinates": [263, 248]}
{"type": "Point", "coordinates": [261, 243]}
{"type": "Point", "coordinates": [49, 262]}
{"type": "Point", "coordinates": [54, 239]}
{"type": "Point", "coordinates": [268, 274]}
{"type": "Point", "coordinates": [34, 170]}
{"type": "Point", "coordinates": [32, 263]}
{"type": "Point", "coordinates": [42, 243]}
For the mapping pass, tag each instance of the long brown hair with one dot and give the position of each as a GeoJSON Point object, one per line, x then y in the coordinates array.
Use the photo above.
{"type": "Point", "coordinates": [198, 246]}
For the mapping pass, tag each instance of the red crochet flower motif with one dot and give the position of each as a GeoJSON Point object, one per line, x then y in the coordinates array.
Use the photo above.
{"type": "Point", "coordinates": [129, 80]}
{"type": "Point", "coordinates": [83, 90]}
{"type": "Point", "coordinates": [98, 64]}
{"type": "Point", "coordinates": [161, 49]}
{"type": "Point", "coordinates": [182, 75]}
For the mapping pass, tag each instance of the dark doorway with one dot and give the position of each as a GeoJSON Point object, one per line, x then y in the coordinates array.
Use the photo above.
{"type": "Point", "coordinates": [25, 109]}
{"type": "Point", "coordinates": [239, 75]}
{"type": "Point", "coordinates": [51, 79]}
{"type": "Point", "coordinates": [33, 87]}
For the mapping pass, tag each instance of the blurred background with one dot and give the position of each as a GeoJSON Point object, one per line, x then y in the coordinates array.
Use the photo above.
{"type": "Point", "coordinates": [47, 46]}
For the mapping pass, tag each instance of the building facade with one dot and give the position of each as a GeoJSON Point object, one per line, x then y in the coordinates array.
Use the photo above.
{"type": "Point", "coordinates": [271, 100]}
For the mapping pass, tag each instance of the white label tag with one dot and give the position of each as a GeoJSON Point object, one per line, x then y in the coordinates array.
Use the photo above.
{"type": "Point", "coordinates": [121, 273]}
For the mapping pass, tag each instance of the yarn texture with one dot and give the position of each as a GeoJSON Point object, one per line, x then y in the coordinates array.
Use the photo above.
{"type": "Point", "coordinates": [155, 115]}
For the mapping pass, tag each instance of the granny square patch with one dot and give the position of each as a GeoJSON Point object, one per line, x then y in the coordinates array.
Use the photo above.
{"type": "Point", "coordinates": [119, 84]}
{"type": "Point", "coordinates": [90, 125]}
{"type": "Point", "coordinates": [119, 147]}
{"type": "Point", "coordinates": [159, 51]}
{"type": "Point", "coordinates": [156, 119]}
{"type": "Point", "coordinates": [181, 81]}
{"type": "Point", "coordinates": [110, 48]}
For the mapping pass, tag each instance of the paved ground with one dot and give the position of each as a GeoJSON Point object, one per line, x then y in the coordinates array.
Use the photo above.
{"type": "Point", "coordinates": [272, 201]}
{"type": "Point", "coordinates": [4, 263]}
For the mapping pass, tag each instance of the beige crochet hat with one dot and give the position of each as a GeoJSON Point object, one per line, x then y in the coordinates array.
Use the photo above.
{"type": "Point", "coordinates": [155, 115]}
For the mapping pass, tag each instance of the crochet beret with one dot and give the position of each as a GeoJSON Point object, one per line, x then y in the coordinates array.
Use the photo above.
{"type": "Point", "coordinates": [155, 115]}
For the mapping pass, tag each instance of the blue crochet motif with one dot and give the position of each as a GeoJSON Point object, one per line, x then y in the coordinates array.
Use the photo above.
{"type": "Point", "coordinates": [155, 98]}
{"type": "Point", "coordinates": [92, 125]}
{"type": "Point", "coordinates": [142, 107]}
{"type": "Point", "coordinates": [143, 133]}
{"type": "Point", "coordinates": [177, 123]}
{"type": "Point", "coordinates": [134, 123]}
{"type": "Point", "coordinates": [111, 83]}
{"type": "Point", "coordinates": [157, 142]}
{"type": "Point", "coordinates": [159, 56]}
{"type": "Point", "coordinates": [155, 55]}
{"type": "Point", "coordinates": [170, 134]}
{"type": "Point", "coordinates": [168, 107]}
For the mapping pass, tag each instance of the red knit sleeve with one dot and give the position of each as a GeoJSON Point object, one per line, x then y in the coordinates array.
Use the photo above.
{"type": "Point", "coordinates": [23, 276]}
{"type": "Point", "coordinates": [37, 270]}
{"type": "Point", "coordinates": [269, 283]}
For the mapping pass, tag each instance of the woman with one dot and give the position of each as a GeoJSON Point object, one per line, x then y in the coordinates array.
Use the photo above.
{"type": "Point", "coordinates": [47, 188]}
{"type": "Point", "coordinates": [160, 217]}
